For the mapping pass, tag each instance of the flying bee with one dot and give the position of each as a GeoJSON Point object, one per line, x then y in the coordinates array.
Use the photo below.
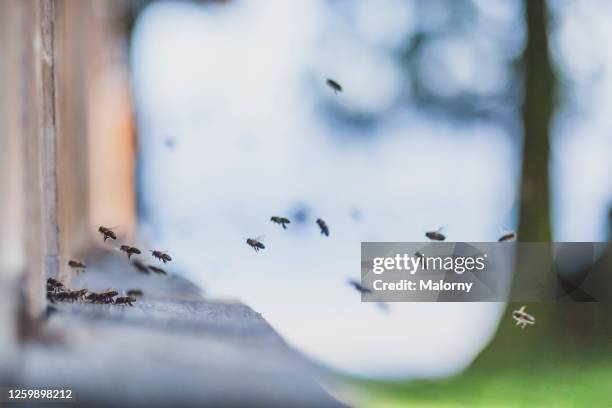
{"type": "Point", "coordinates": [125, 300]}
{"type": "Point", "coordinates": [53, 285]}
{"type": "Point", "coordinates": [323, 226]}
{"type": "Point", "coordinates": [157, 270]}
{"type": "Point", "coordinates": [134, 292]}
{"type": "Point", "coordinates": [255, 243]}
{"type": "Point", "coordinates": [523, 318]}
{"type": "Point", "coordinates": [281, 221]}
{"type": "Point", "coordinates": [107, 233]}
{"type": "Point", "coordinates": [435, 235]}
{"type": "Point", "coordinates": [161, 255]}
{"type": "Point", "coordinates": [142, 268]}
{"type": "Point", "coordinates": [129, 250]}
{"type": "Point", "coordinates": [77, 266]}
{"type": "Point", "coordinates": [508, 236]}
{"type": "Point", "coordinates": [359, 287]}
{"type": "Point", "coordinates": [334, 85]}
{"type": "Point", "coordinates": [363, 290]}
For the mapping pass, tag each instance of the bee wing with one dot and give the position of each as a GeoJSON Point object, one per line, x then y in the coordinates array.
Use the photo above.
{"type": "Point", "coordinates": [260, 238]}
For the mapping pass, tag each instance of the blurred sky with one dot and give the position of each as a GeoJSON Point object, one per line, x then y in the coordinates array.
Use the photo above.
{"type": "Point", "coordinates": [236, 124]}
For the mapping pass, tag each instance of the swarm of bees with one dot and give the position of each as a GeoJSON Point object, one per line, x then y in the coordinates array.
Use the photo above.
{"type": "Point", "coordinates": [58, 292]}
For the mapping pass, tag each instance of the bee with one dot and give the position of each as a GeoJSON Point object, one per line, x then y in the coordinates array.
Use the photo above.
{"type": "Point", "coordinates": [134, 292]}
{"type": "Point", "coordinates": [102, 297]}
{"type": "Point", "coordinates": [157, 270]}
{"type": "Point", "coordinates": [281, 220]}
{"type": "Point", "coordinates": [53, 285]}
{"type": "Point", "coordinates": [107, 233]}
{"type": "Point", "coordinates": [523, 318]}
{"type": "Point", "coordinates": [334, 85]}
{"type": "Point", "coordinates": [255, 243]}
{"type": "Point", "coordinates": [140, 266]}
{"type": "Point", "coordinates": [125, 300]}
{"type": "Point", "coordinates": [129, 250]}
{"type": "Point", "coordinates": [508, 236]}
{"type": "Point", "coordinates": [362, 289]}
{"type": "Point", "coordinates": [77, 294]}
{"type": "Point", "coordinates": [67, 296]}
{"type": "Point", "coordinates": [359, 287]}
{"type": "Point", "coordinates": [77, 266]}
{"type": "Point", "coordinates": [57, 296]}
{"type": "Point", "coordinates": [161, 255]}
{"type": "Point", "coordinates": [323, 226]}
{"type": "Point", "coordinates": [435, 235]}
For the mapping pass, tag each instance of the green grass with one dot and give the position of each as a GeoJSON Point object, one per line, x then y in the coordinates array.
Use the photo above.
{"type": "Point", "coordinates": [519, 383]}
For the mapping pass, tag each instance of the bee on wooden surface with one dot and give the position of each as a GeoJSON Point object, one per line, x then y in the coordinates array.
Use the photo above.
{"type": "Point", "coordinates": [102, 297]}
{"type": "Point", "coordinates": [334, 85]}
{"type": "Point", "coordinates": [125, 300]}
{"type": "Point", "coordinates": [508, 236]}
{"type": "Point", "coordinates": [435, 235]}
{"type": "Point", "coordinates": [523, 318]}
{"type": "Point", "coordinates": [53, 285]}
{"type": "Point", "coordinates": [157, 270]}
{"type": "Point", "coordinates": [323, 226]}
{"type": "Point", "coordinates": [161, 255]}
{"type": "Point", "coordinates": [358, 286]}
{"type": "Point", "coordinates": [134, 292]}
{"type": "Point", "coordinates": [58, 296]}
{"type": "Point", "coordinates": [142, 268]}
{"type": "Point", "coordinates": [255, 243]}
{"type": "Point", "coordinates": [129, 250]}
{"type": "Point", "coordinates": [74, 295]}
{"type": "Point", "coordinates": [281, 221]}
{"type": "Point", "coordinates": [107, 233]}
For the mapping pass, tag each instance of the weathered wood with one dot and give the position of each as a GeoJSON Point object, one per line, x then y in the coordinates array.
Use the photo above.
{"type": "Point", "coordinates": [166, 350]}
{"type": "Point", "coordinates": [48, 129]}
{"type": "Point", "coordinates": [28, 110]}
{"type": "Point", "coordinates": [11, 232]}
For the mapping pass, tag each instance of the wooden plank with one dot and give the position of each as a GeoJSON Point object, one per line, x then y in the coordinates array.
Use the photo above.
{"type": "Point", "coordinates": [28, 104]}
{"type": "Point", "coordinates": [72, 40]}
{"type": "Point", "coordinates": [48, 130]}
{"type": "Point", "coordinates": [11, 251]}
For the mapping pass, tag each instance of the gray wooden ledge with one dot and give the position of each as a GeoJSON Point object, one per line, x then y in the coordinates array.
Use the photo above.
{"type": "Point", "coordinates": [173, 348]}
